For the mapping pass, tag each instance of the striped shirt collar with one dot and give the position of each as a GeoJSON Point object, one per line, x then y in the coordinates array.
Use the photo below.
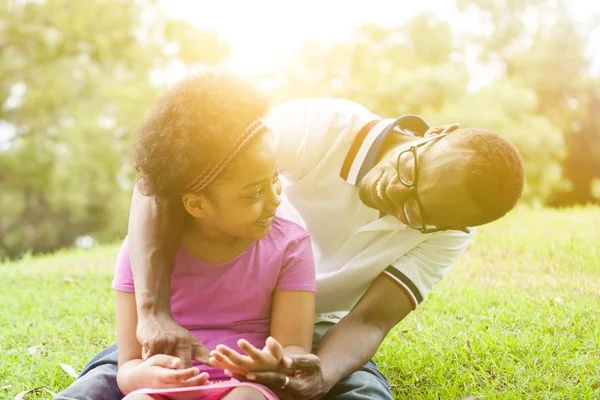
{"type": "Point", "coordinates": [362, 156]}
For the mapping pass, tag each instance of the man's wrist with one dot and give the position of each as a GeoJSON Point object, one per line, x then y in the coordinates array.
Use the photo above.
{"type": "Point", "coordinates": [149, 308]}
{"type": "Point", "coordinates": [330, 378]}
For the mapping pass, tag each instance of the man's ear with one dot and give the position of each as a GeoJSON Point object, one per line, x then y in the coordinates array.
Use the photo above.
{"type": "Point", "coordinates": [195, 204]}
{"type": "Point", "coordinates": [444, 129]}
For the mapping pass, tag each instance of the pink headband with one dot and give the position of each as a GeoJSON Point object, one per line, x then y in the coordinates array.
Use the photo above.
{"type": "Point", "coordinates": [210, 173]}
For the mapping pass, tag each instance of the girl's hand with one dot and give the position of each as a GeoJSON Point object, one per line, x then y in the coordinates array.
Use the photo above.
{"type": "Point", "coordinates": [160, 371]}
{"type": "Point", "coordinates": [268, 359]}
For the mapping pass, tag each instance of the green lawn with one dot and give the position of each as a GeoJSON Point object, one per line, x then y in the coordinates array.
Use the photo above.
{"type": "Point", "coordinates": [517, 318]}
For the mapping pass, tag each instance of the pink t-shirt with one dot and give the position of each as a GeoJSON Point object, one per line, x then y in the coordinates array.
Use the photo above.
{"type": "Point", "coordinates": [221, 303]}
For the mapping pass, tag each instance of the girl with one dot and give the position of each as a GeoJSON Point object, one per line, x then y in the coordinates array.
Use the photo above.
{"type": "Point", "coordinates": [241, 273]}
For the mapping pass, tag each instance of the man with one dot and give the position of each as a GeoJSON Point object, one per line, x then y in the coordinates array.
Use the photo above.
{"type": "Point", "coordinates": [388, 204]}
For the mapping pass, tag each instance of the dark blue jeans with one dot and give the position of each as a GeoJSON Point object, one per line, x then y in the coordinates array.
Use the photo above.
{"type": "Point", "coordinates": [98, 380]}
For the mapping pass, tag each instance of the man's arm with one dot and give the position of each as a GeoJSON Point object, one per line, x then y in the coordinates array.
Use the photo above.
{"type": "Point", "coordinates": [155, 228]}
{"type": "Point", "coordinates": [152, 251]}
{"type": "Point", "coordinates": [362, 330]}
{"type": "Point", "coordinates": [387, 301]}
{"type": "Point", "coordinates": [158, 371]}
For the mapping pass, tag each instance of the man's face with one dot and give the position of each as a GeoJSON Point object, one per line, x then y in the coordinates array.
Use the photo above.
{"type": "Point", "coordinates": [438, 198]}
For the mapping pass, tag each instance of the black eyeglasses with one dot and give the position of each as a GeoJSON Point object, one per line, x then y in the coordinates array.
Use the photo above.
{"type": "Point", "coordinates": [411, 208]}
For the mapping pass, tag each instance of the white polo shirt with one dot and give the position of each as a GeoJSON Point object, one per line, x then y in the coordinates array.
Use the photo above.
{"type": "Point", "coordinates": [321, 153]}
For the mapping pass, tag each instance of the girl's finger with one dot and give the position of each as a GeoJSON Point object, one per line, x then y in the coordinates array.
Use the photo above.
{"type": "Point", "coordinates": [212, 362]}
{"type": "Point", "coordinates": [275, 348]}
{"type": "Point", "coordinates": [235, 357]}
{"type": "Point", "coordinates": [176, 375]}
{"type": "Point", "coordinates": [226, 362]}
{"type": "Point", "coordinates": [197, 380]}
{"type": "Point", "coordinates": [164, 361]}
{"type": "Point", "coordinates": [254, 353]}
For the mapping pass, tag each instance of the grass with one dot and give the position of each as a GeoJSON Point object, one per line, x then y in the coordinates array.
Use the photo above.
{"type": "Point", "coordinates": [517, 318]}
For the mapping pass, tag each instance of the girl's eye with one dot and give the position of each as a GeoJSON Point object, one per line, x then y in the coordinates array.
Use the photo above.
{"type": "Point", "coordinates": [257, 194]}
{"type": "Point", "coordinates": [276, 177]}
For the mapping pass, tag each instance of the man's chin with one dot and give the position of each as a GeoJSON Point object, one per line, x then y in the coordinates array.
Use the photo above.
{"type": "Point", "coordinates": [366, 199]}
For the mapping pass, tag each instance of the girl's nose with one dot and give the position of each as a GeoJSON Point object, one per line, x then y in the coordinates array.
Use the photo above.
{"type": "Point", "coordinates": [275, 199]}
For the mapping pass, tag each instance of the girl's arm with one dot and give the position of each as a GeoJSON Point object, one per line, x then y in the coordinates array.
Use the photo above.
{"type": "Point", "coordinates": [292, 316]}
{"type": "Point", "coordinates": [293, 301]}
{"type": "Point", "coordinates": [158, 371]}
{"type": "Point", "coordinates": [292, 325]}
{"type": "Point", "coordinates": [293, 320]}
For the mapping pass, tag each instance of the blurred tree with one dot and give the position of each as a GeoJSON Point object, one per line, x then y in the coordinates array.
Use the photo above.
{"type": "Point", "coordinates": [419, 68]}
{"type": "Point", "coordinates": [75, 81]}
{"type": "Point", "coordinates": [393, 71]}
{"type": "Point", "coordinates": [510, 110]}
{"type": "Point", "coordinates": [542, 47]}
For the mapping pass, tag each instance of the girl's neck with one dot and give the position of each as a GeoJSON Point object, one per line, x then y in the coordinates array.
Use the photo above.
{"type": "Point", "coordinates": [212, 246]}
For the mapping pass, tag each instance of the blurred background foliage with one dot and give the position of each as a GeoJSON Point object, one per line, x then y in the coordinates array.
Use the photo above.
{"type": "Point", "coordinates": [77, 77]}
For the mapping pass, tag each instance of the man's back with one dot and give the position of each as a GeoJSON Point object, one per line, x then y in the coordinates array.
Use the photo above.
{"type": "Point", "coordinates": [351, 243]}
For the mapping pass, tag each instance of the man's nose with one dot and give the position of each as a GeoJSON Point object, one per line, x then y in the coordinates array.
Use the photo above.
{"type": "Point", "coordinates": [397, 192]}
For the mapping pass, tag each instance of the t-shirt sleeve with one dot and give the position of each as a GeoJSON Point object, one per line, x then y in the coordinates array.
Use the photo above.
{"type": "Point", "coordinates": [419, 270]}
{"type": "Point", "coordinates": [123, 278]}
{"type": "Point", "coordinates": [305, 130]}
{"type": "Point", "coordinates": [298, 269]}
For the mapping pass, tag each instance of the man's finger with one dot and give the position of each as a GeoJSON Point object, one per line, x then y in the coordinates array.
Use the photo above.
{"type": "Point", "coordinates": [307, 363]}
{"type": "Point", "coordinates": [149, 350]}
{"type": "Point", "coordinates": [145, 353]}
{"type": "Point", "coordinates": [274, 379]}
{"type": "Point", "coordinates": [450, 128]}
{"type": "Point", "coordinates": [184, 353]}
{"type": "Point", "coordinates": [200, 353]}
{"type": "Point", "coordinates": [177, 375]}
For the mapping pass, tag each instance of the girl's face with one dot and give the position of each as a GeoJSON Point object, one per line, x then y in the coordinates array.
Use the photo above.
{"type": "Point", "coordinates": [242, 201]}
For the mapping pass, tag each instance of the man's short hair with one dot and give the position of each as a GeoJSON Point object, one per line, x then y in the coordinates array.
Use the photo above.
{"type": "Point", "coordinates": [495, 173]}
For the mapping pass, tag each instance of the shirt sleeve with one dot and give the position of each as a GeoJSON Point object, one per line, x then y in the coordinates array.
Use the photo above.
{"type": "Point", "coordinates": [123, 278]}
{"type": "Point", "coordinates": [419, 270]}
{"type": "Point", "coordinates": [298, 269]}
{"type": "Point", "coordinates": [306, 129]}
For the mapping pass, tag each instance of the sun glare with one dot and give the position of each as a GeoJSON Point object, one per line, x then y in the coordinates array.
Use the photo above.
{"type": "Point", "coordinates": [266, 34]}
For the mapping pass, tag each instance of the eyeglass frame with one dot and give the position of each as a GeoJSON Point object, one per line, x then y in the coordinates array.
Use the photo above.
{"type": "Point", "coordinates": [413, 189]}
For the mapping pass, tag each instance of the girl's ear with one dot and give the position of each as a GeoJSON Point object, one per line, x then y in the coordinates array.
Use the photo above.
{"type": "Point", "coordinates": [195, 204]}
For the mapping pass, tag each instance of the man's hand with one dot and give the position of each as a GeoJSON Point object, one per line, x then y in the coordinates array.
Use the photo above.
{"type": "Point", "coordinates": [307, 381]}
{"type": "Point", "coordinates": [444, 129]}
{"type": "Point", "coordinates": [160, 372]}
{"type": "Point", "coordinates": [162, 335]}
